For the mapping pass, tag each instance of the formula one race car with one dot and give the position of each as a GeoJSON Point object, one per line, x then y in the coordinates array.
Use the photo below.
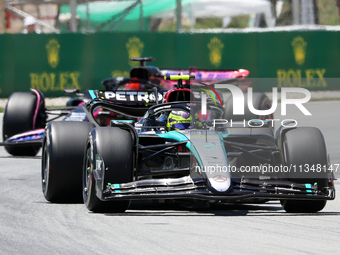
{"type": "Point", "coordinates": [177, 151]}
{"type": "Point", "coordinates": [25, 115]}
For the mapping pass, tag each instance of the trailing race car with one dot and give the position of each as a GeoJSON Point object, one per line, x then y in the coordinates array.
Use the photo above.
{"type": "Point", "coordinates": [25, 115]}
{"type": "Point", "coordinates": [178, 151]}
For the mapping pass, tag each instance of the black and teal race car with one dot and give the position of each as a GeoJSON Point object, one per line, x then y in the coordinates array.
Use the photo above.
{"type": "Point", "coordinates": [149, 158]}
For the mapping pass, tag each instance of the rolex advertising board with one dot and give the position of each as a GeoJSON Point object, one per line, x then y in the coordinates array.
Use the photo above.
{"type": "Point", "coordinates": [52, 62]}
{"type": "Point", "coordinates": [300, 59]}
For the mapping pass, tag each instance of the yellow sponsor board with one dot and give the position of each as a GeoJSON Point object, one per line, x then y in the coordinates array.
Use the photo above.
{"type": "Point", "coordinates": [314, 78]}
{"type": "Point", "coordinates": [135, 48]}
{"type": "Point", "coordinates": [54, 81]}
{"type": "Point", "coordinates": [299, 48]}
{"type": "Point", "coordinates": [215, 47]}
{"type": "Point", "coordinates": [305, 78]}
{"type": "Point", "coordinates": [52, 48]}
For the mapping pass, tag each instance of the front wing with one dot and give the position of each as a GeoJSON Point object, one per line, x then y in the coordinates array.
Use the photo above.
{"type": "Point", "coordinates": [33, 137]}
{"type": "Point", "coordinates": [196, 188]}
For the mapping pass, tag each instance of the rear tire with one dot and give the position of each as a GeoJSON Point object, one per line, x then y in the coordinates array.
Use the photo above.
{"type": "Point", "coordinates": [305, 145]}
{"type": "Point", "coordinates": [19, 117]}
{"type": "Point", "coordinates": [115, 148]}
{"type": "Point", "coordinates": [260, 102]}
{"type": "Point", "coordinates": [62, 160]}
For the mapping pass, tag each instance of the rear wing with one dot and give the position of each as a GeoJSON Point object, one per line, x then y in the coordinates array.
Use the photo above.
{"type": "Point", "coordinates": [208, 75]}
{"type": "Point", "coordinates": [212, 77]}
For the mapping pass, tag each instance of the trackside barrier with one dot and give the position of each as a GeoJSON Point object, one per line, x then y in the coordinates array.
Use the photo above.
{"type": "Point", "coordinates": [52, 62]}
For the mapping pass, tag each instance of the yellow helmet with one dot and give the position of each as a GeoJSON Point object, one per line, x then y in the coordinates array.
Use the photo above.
{"type": "Point", "coordinates": [179, 120]}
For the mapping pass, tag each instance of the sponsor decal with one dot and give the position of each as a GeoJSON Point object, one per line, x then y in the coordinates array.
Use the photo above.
{"type": "Point", "coordinates": [220, 178]}
{"type": "Point", "coordinates": [299, 47]}
{"type": "Point", "coordinates": [99, 162]}
{"type": "Point", "coordinates": [215, 47]}
{"type": "Point", "coordinates": [76, 116]}
{"type": "Point", "coordinates": [52, 48]}
{"type": "Point", "coordinates": [130, 96]}
{"type": "Point", "coordinates": [294, 78]}
{"type": "Point", "coordinates": [303, 78]}
{"type": "Point", "coordinates": [209, 146]}
{"type": "Point", "coordinates": [54, 81]}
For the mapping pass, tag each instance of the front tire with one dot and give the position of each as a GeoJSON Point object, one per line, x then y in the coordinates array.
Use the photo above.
{"type": "Point", "coordinates": [23, 113]}
{"type": "Point", "coordinates": [115, 149]}
{"type": "Point", "coordinates": [301, 146]}
{"type": "Point", "coordinates": [62, 160]}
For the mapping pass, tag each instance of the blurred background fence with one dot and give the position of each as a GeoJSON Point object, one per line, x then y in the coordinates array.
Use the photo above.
{"type": "Point", "coordinates": [90, 16]}
{"type": "Point", "coordinates": [52, 62]}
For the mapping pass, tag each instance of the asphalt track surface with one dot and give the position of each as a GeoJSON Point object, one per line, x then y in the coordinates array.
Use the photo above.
{"type": "Point", "coordinates": [31, 225]}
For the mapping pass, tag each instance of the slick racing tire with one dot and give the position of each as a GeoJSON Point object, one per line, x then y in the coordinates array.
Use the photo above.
{"type": "Point", "coordinates": [62, 160]}
{"type": "Point", "coordinates": [21, 115]}
{"type": "Point", "coordinates": [110, 148]}
{"type": "Point", "coordinates": [260, 102]}
{"type": "Point", "coordinates": [305, 145]}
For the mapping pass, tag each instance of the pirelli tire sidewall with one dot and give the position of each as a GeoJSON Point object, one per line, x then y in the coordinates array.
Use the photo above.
{"type": "Point", "coordinates": [113, 146]}
{"type": "Point", "coordinates": [305, 146]}
{"type": "Point", "coordinates": [19, 118]}
{"type": "Point", "coordinates": [62, 160]}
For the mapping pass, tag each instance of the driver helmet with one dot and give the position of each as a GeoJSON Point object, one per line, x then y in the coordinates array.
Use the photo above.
{"type": "Point", "coordinates": [179, 120]}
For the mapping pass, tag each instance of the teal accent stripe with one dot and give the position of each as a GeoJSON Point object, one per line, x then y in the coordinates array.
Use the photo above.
{"type": "Point", "coordinates": [188, 145]}
{"type": "Point", "coordinates": [222, 143]}
{"type": "Point", "coordinates": [117, 186]}
{"type": "Point", "coordinates": [125, 121]}
{"type": "Point", "coordinates": [92, 94]}
{"type": "Point", "coordinates": [308, 187]}
{"type": "Point", "coordinates": [174, 135]}
{"type": "Point", "coordinates": [194, 151]}
{"type": "Point", "coordinates": [179, 137]}
{"type": "Point", "coordinates": [223, 135]}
